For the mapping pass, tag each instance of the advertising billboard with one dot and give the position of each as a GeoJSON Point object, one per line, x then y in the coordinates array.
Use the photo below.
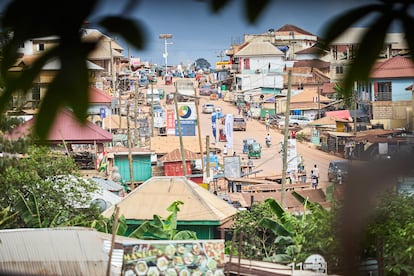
{"type": "Point", "coordinates": [184, 258]}
{"type": "Point", "coordinates": [187, 111]}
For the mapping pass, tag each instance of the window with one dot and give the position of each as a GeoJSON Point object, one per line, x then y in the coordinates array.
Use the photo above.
{"type": "Point", "coordinates": [41, 47]}
{"type": "Point", "coordinates": [35, 96]}
{"type": "Point", "coordinates": [383, 91]}
{"type": "Point", "coordinates": [339, 69]}
{"type": "Point", "coordinates": [246, 62]}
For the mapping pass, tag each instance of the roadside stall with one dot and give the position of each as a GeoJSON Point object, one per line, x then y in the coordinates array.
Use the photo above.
{"type": "Point", "coordinates": [168, 80]}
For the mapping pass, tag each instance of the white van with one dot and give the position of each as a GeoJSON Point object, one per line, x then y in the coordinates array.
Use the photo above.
{"type": "Point", "coordinates": [295, 120]}
{"type": "Point", "coordinates": [155, 95]}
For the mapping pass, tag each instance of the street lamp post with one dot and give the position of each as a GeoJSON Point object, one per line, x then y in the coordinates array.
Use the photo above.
{"type": "Point", "coordinates": [165, 54]}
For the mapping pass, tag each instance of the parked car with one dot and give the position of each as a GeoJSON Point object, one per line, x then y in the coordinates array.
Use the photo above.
{"type": "Point", "coordinates": [239, 123]}
{"type": "Point", "coordinates": [204, 90]}
{"type": "Point", "coordinates": [208, 108]}
{"type": "Point", "coordinates": [294, 120]}
{"type": "Point", "coordinates": [143, 82]}
{"type": "Point", "coordinates": [158, 109]}
{"type": "Point", "coordinates": [334, 167]}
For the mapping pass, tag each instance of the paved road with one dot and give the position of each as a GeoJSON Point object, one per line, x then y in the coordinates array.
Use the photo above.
{"type": "Point", "coordinates": [271, 161]}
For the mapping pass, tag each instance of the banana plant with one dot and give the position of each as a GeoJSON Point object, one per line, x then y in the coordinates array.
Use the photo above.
{"type": "Point", "coordinates": [288, 228]}
{"type": "Point", "coordinates": [6, 218]}
{"type": "Point", "coordinates": [157, 229]}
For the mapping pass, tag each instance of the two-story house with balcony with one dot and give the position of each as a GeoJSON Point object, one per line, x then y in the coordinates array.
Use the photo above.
{"type": "Point", "coordinates": [391, 102]}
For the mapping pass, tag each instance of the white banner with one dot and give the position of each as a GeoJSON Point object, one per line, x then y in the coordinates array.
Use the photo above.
{"type": "Point", "coordinates": [229, 130]}
{"type": "Point", "coordinates": [292, 156]}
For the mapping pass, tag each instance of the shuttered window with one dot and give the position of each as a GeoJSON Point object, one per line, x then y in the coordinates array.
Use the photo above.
{"type": "Point", "coordinates": [384, 91]}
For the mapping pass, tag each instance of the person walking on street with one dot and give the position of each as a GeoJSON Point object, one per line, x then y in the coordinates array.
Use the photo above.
{"type": "Point", "coordinates": [267, 123]}
{"type": "Point", "coordinates": [316, 172]}
{"type": "Point", "coordinates": [250, 164]}
{"type": "Point", "coordinates": [249, 115]}
{"type": "Point", "coordinates": [225, 149]}
{"type": "Point", "coordinates": [314, 180]}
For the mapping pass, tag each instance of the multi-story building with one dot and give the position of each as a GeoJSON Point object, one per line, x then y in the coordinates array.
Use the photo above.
{"type": "Point", "coordinates": [102, 64]}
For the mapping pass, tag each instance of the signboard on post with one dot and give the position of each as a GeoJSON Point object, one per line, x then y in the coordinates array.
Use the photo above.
{"type": "Point", "coordinates": [292, 156]}
{"type": "Point", "coordinates": [188, 128]}
{"type": "Point", "coordinates": [170, 122]}
{"type": "Point", "coordinates": [232, 166]}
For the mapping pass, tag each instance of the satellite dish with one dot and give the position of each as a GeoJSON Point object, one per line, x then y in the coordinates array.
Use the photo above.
{"type": "Point", "coordinates": [316, 263]}
{"type": "Point", "coordinates": [102, 204]}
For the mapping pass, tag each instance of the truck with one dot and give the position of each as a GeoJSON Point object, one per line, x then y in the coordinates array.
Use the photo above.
{"type": "Point", "coordinates": [185, 89]}
{"type": "Point", "coordinates": [239, 123]}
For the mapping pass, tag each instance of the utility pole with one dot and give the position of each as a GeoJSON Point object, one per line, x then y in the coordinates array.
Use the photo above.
{"type": "Point", "coordinates": [208, 156]}
{"type": "Point", "coordinates": [285, 139]}
{"type": "Point", "coordinates": [319, 101]}
{"type": "Point", "coordinates": [286, 131]}
{"type": "Point", "coordinates": [131, 170]}
{"type": "Point", "coordinates": [354, 96]}
{"type": "Point", "coordinates": [152, 110]}
{"type": "Point", "coordinates": [197, 101]}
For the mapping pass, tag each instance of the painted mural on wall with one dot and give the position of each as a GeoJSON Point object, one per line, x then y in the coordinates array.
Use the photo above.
{"type": "Point", "coordinates": [181, 258]}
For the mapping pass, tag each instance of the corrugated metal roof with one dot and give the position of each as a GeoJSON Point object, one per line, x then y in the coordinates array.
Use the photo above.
{"type": "Point", "coordinates": [259, 49]}
{"type": "Point", "coordinates": [52, 251]}
{"type": "Point", "coordinates": [156, 194]}
{"type": "Point", "coordinates": [164, 144]}
{"type": "Point", "coordinates": [67, 128]}
{"type": "Point", "coordinates": [307, 96]}
{"type": "Point", "coordinates": [175, 156]}
{"type": "Point", "coordinates": [107, 184]}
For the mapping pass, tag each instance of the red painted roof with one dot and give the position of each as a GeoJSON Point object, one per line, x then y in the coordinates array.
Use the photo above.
{"type": "Point", "coordinates": [341, 114]}
{"type": "Point", "coordinates": [328, 88]}
{"type": "Point", "coordinates": [67, 128]}
{"type": "Point", "coordinates": [292, 28]}
{"type": "Point", "coordinates": [98, 96]}
{"type": "Point", "coordinates": [396, 67]}
{"type": "Point", "coordinates": [317, 63]}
